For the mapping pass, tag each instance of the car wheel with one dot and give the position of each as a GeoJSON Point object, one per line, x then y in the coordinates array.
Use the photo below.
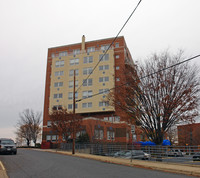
{"type": "Point", "coordinates": [14, 152]}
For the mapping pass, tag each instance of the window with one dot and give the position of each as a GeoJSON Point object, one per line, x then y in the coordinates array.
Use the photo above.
{"type": "Point", "coordinates": [105, 118]}
{"type": "Point", "coordinates": [106, 91]}
{"type": "Point", "coordinates": [117, 56]}
{"type": "Point", "coordinates": [103, 57]}
{"type": "Point", "coordinates": [76, 51]}
{"type": "Point", "coordinates": [59, 95]}
{"type": "Point", "coordinates": [98, 134]}
{"type": "Point", "coordinates": [71, 83]}
{"type": "Point", "coordinates": [103, 103]}
{"type": "Point", "coordinates": [48, 123]}
{"type": "Point", "coordinates": [87, 94]}
{"type": "Point", "coordinates": [71, 72]}
{"type": "Point", "coordinates": [110, 135]}
{"type": "Point", "coordinates": [87, 82]}
{"type": "Point", "coordinates": [70, 106]}
{"type": "Point", "coordinates": [59, 73]}
{"type": "Point", "coordinates": [117, 118]}
{"type": "Point", "coordinates": [87, 71]}
{"type": "Point", "coordinates": [116, 45]}
{"type": "Point", "coordinates": [104, 67]}
{"type": "Point", "coordinates": [58, 84]}
{"type": "Point", "coordinates": [62, 53]}
{"type": "Point", "coordinates": [103, 79]}
{"type": "Point", "coordinates": [90, 49]}
{"type": "Point", "coordinates": [70, 95]}
{"type": "Point", "coordinates": [59, 63]}
{"type": "Point", "coordinates": [57, 107]}
{"type": "Point", "coordinates": [111, 119]}
{"type": "Point", "coordinates": [54, 138]}
{"type": "Point", "coordinates": [88, 59]}
{"type": "Point", "coordinates": [48, 138]}
{"type": "Point", "coordinates": [127, 136]}
{"type": "Point", "coordinates": [117, 67]}
{"type": "Point", "coordinates": [87, 105]}
{"type": "Point", "coordinates": [74, 62]}
{"type": "Point", "coordinates": [117, 79]}
{"type": "Point", "coordinates": [52, 55]}
{"type": "Point", "coordinates": [104, 47]}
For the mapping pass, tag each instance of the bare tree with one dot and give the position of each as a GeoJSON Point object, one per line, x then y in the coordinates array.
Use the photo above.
{"type": "Point", "coordinates": [23, 131]}
{"type": "Point", "coordinates": [64, 123]}
{"type": "Point", "coordinates": [161, 99]}
{"type": "Point", "coordinates": [28, 126]}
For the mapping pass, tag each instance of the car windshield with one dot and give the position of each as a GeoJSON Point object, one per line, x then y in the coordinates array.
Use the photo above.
{"type": "Point", "coordinates": [7, 142]}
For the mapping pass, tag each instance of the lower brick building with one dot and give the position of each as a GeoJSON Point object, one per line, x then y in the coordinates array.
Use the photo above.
{"type": "Point", "coordinates": [189, 134]}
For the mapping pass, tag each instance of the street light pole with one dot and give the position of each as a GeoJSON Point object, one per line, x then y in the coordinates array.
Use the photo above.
{"type": "Point", "coordinates": [74, 104]}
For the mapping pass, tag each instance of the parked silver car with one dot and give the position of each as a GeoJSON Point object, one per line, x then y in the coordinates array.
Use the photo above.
{"type": "Point", "coordinates": [174, 152]}
{"type": "Point", "coordinates": [137, 154]}
{"type": "Point", "coordinates": [196, 157]}
{"type": "Point", "coordinates": [7, 146]}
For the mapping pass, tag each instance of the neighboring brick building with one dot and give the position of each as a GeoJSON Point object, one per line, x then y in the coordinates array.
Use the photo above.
{"type": "Point", "coordinates": [101, 121]}
{"type": "Point", "coordinates": [189, 134]}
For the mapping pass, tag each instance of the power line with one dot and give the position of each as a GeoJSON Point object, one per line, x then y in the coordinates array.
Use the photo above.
{"type": "Point", "coordinates": [143, 76]}
{"type": "Point", "coordinates": [110, 44]}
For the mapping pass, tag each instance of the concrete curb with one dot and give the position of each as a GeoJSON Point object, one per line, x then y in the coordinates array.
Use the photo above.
{"type": "Point", "coordinates": [160, 166]}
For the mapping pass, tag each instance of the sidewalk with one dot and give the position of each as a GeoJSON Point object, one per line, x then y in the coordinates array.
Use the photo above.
{"type": "Point", "coordinates": [193, 170]}
{"type": "Point", "coordinates": [2, 171]}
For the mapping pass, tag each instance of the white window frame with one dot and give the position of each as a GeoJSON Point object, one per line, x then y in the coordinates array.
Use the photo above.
{"type": "Point", "coordinates": [105, 57]}
{"type": "Point", "coordinates": [59, 64]}
{"type": "Point", "coordinates": [103, 103]}
{"type": "Point", "coordinates": [64, 53]}
{"type": "Point", "coordinates": [87, 105]}
{"type": "Point", "coordinates": [57, 95]}
{"type": "Point", "coordinates": [48, 138]}
{"type": "Point", "coordinates": [70, 95]}
{"type": "Point", "coordinates": [87, 70]}
{"type": "Point", "coordinates": [87, 94]}
{"type": "Point", "coordinates": [58, 84]}
{"type": "Point", "coordinates": [88, 59]}
{"type": "Point", "coordinates": [104, 67]}
{"type": "Point", "coordinates": [104, 91]}
{"type": "Point", "coordinates": [104, 47]}
{"type": "Point", "coordinates": [76, 51]}
{"type": "Point", "coordinates": [88, 82]}
{"type": "Point", "coordinates": [71, 83]}
{"type": "Point", "coordinates": [90, 49]}
{"type": "Point", "coordinates": [48, 124]}
{"type": "Point", "coordinates": [71, 72]}
{"type": "Point", "coordinates": [104, 79]}
{"type": "Point", "coordinates": [59, 73]}
{"type": "Point", "coordinates": [110, 135]}
{"type": "Point", "coordinates": [74, 61]}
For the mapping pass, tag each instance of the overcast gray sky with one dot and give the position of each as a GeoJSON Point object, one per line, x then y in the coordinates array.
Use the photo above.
{"type": "Point", "coordinates": [29, 27]}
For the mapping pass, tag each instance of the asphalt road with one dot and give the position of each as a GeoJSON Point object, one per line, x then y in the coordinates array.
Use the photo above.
{"type": "Point", "coordinates": [36, 164]}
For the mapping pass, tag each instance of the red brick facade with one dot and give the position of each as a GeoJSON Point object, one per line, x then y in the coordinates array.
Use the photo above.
{"type": "Point", "coordinates": [189, 134]}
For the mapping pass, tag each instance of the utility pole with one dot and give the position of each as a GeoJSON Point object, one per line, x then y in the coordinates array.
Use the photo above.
{"type": "Point", "coordinates": [74, 104]}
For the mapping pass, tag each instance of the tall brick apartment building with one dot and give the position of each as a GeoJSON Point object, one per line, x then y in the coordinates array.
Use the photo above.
{"type": "Point", "coordinates": [101, 121]}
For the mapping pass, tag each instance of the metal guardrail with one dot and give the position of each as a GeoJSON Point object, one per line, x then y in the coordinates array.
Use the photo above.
{"type": "Point", "coordinates": [157, 153]}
